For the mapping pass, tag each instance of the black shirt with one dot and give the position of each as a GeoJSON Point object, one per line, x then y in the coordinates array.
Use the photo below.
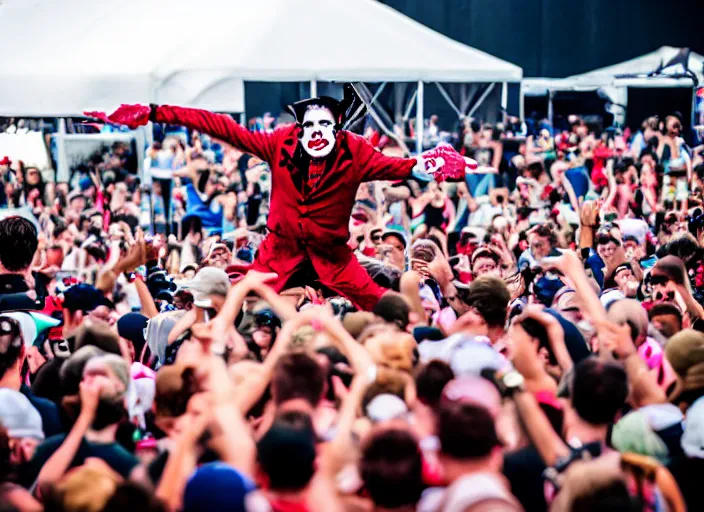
{"type": "Point", "coordinates": [688, 474]}
{"type": "Point", "coordinates": [119, 459]}
{"type": "Point", "coordinates": [524, 471]}
{"type": "Point", "coordinates": [51, 423]}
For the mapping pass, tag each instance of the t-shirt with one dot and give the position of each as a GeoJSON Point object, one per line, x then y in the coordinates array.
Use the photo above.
{"type": "Point", "coordinates": [688, 474]}
{"type": "Point", "coordinates": [47, 381]}
{"type": "Point", "coordinates": [119, 459]}
{"type": "Point", "coordinates": [524, 471]}
{"type": "Point", "coordinates": [51, 423]}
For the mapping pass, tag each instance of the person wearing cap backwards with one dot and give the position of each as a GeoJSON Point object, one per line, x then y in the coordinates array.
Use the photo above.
{"type": "Point", "coordinates": [316, 168]}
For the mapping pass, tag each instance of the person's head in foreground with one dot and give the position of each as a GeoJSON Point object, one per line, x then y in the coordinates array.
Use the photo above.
{"type": "Point", "coordinates": [18, 243]}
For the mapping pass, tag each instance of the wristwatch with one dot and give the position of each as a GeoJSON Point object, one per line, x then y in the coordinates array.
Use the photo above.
{"type": "Point", "coordinates": [511, 382]}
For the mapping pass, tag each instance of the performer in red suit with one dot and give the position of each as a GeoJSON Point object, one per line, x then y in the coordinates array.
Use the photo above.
{"type": "Point", "coordinates": [316, 168]}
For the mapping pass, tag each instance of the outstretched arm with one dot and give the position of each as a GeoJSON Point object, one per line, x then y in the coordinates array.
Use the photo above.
{"type": "Point", "coordinates": [441, 162]}
{"type": "Point", "coordinates": [220, 126]}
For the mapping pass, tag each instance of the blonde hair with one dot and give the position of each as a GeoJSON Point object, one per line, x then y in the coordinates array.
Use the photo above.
{"type": "Point", "coordinates": [88, 488]}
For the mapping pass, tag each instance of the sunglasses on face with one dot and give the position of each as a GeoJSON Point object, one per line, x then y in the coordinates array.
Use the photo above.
{"type": "Point", "coordinates": [659, 280]}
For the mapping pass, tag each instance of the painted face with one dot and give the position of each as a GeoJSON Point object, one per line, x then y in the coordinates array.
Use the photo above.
{"type": "Point", "coordinates": [318, 132]}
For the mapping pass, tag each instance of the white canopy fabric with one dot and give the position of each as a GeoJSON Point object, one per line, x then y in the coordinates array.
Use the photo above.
{"type": "Point", "coordinates": [631, 73]}
{"type": "Point", "coordinates": [634, 72]}
{"type": "Point", "coordinates": [60, 58]}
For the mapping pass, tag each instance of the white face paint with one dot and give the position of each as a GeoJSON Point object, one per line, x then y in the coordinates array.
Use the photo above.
{"type": "Point", "coordinates": [318, 132]}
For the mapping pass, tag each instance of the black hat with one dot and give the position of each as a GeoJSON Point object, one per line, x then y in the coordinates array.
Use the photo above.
{"type": "Point", "coordinates": [396, 234]}
{"type": "Point", "coordinates": [342, 110]}
{"type": "Point", "coordinates": [298, 109]}
{"type": "Point", "coordinates": [84, 297]}
{"type": "Point", "coordinates": [266, 318]}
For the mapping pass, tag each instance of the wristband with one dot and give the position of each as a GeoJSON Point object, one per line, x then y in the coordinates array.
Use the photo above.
{"type": "Point", "coordinates": [152, 112]}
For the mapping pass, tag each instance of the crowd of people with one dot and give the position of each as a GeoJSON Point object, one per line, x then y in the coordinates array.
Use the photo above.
{"type": "Point", "coordinates": [539, 345]}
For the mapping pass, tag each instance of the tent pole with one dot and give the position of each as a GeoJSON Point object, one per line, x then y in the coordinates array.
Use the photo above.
{"type": "Point", "coordinates": [504, 99]}
{"type": "Point", "coordinates": [522, 99]}
{"type": "Point", "coordinates": [481, 99]}
{"type": "Point", "coordinates": [419, 117]}
{"type": "Point", "coordinates": [62, 171]}
{"type": "Point", "coordinates": [448, 99]}
{"type": "Point", "coordinates": [313, 89]}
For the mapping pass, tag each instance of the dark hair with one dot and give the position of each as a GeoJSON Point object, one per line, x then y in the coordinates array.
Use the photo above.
{"type": "Point", "coordinates": [59, 229]}
{"type": "Point", "coordinates": [393, 308]}
{"type": "Point", "coordinates": [391, 467]}
{"type": "Point", "coordinates": [607, 498]}
{"type": "Point", "coordinates": [546, 230]}
{"type": "Point", "coordinates": [490, 297]}
{"type": "Point", "coordinates": [297, 376]}
{"type": "Point", "coordinates": [18, 243]}
{"type": "Point", "coordinates": [664, 308]}
{"type": "Point", "coordinates": [430, 381]}
{"type": "Point", "coordinates": [599, 390]}
{"type": "Point", "coordinates": [685, 248]}
{"type": "Point", "coordinates": [466, 431]}
{"type": "Point", "coordinates": [672, 267]}
{"type": "Point", "coordinates": [10, 353]}
{"type": "Point", "coordinates": [286, 454]}
{"type": "Point", "coordinates": [536, 330]}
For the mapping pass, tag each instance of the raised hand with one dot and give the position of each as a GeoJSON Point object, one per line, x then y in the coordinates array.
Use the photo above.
{"type": "Point", "coordinates": [131, 116]}
{"type": "Point", "coordinates": [444, 162]}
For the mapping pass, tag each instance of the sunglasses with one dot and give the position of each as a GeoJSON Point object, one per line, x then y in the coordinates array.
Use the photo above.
{"type": "Point", "coordinates": [10, 327]}
{"type": "Point", "coordinates": [659, 280]}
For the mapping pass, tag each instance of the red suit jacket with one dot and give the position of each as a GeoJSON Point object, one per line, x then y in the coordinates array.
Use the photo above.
{"type": "Point", "coordinates": [306, 223]}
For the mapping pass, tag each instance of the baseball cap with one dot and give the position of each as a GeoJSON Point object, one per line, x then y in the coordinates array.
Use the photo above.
{"type": "Point", "coordinates": [693, 437]}
{"type": "Point", "coordinates": [132, 327]}
{"type": "Point", "coordinates": [217, 486]}
{"type": "Point", "coordinates": [634, 434]}
{"type": "Point", "coordinates": [208, 281]}
{"type": "Point", "coordinates": [18, 415]}
{"type": "Point", "coordinates": [396, 234]}
{"type": "Point", "coordinates": [685, 352]}
{"type": "Point", "coordinates": [74, 194]}
{"type": "Point", "coordinates": [470, 389]}
{"type": "Point", "coordinates": [84, 297]}
{"type": "Point", "coordinates": [217, 247]}
{"type": "Point", "coordinates": [266, 318]}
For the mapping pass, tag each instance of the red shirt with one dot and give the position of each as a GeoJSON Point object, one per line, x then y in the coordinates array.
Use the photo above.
{"type": "Point", "coordinates": [314, 211]}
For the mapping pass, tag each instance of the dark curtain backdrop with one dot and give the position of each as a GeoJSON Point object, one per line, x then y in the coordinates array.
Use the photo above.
{"type": "Point", "coordinates": [556, 38]}
{"type": "Point", "coordinates": [549, 38]}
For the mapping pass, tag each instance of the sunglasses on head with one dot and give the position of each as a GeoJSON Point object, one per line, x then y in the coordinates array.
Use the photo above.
{"type": "Point", "coordinates": [9, 326]}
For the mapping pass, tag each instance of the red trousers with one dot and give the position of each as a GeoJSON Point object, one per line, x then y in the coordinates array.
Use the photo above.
{"type": "Point", "coordinates": [335, 264]}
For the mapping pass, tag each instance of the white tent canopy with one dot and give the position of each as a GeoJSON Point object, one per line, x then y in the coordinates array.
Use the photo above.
{"type": "Point", "coordinates": [641, 71]}
{"type": "Point", "coordinates": [638, 72]}
{"type": "Point", "coordinates": [60, 58]}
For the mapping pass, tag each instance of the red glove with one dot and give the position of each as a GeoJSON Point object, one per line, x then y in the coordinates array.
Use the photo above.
{"type": "Point", "coordinates": [130, 116]}
{"type": "Point", "coordinates": [444, 162]}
